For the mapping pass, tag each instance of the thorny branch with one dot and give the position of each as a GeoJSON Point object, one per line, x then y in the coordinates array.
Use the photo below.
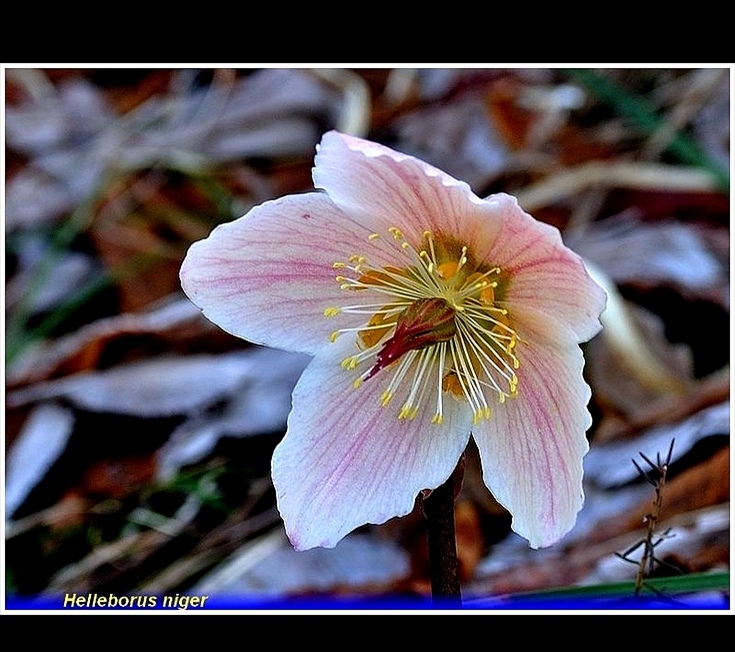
{"type": "Point", "coordinates": [656, 476]}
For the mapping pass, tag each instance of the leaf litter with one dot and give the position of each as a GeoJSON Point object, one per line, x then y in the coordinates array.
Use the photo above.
{"type": "Point", "coordinates": [138, 437]}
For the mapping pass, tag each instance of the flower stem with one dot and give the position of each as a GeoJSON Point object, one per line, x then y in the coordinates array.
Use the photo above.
{"type": "Point", "coordinates": [438, 509]}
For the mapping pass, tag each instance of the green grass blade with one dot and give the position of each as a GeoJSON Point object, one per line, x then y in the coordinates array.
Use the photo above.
{"type": "Point", "coordinates": [673, 588]}
{"type": "Point", "coordinates": [645, 118]}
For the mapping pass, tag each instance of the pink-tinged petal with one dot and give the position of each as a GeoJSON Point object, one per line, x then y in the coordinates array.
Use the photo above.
{"type": "Point", "coordinates": [346, 460]}
{"type": "Point", "coordinates": [268, 276]}
{"type": "Point", "coordinates": [532, 447]}
{"type": "Point", "coordinates": [384, 188]}
{"type": "Point", "coordinates": [546, 280]}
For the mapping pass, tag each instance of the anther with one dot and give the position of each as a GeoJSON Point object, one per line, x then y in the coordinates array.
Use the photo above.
{"type": "Point", "coordinates": [408, 412]}
{"type": "Point", "coordinates": [350, 363]}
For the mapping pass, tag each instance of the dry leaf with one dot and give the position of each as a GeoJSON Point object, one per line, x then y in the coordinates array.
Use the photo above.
{"type": "Point", "coordinates": [42, 439]}
{"type": "Point", "coordinates": [260, 406]}
{"type": "Point", "coordinates": [609, 465]}
{"type": "Point", "coordinates": [157, 387]}
{"type": "Point", "coordinates": [670, 253]}
{"type": "Point", "coordinates": [73, 138]}
{"type": "Point", "coordinates": [172, 323]}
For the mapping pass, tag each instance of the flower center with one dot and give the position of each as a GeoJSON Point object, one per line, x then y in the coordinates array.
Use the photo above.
{"type": "Point", "coordinates": [435, 322]}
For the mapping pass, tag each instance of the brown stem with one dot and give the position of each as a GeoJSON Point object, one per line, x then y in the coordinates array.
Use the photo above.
{"type": "Point", "coordinates": [443, 564]}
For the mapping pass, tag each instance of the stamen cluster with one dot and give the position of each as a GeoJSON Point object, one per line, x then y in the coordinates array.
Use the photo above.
{"type": "Point", "coordinates": [440, 327]}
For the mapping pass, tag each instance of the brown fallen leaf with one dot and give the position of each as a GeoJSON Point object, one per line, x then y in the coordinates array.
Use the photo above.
{"type": "Point", "coordinates": [117, 477]}
{"type": "Point", "coordinates": [471, 543]}
{"type": "Point", "coordinates": [173, 324]}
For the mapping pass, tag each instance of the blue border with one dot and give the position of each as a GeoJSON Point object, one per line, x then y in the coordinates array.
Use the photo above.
{"type": "Point", "coordinates": [233, 603]}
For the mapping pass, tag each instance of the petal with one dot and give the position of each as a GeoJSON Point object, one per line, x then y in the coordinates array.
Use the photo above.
{"type": "Point", "coordinates": [532, 447]}
{"type": "Point", "coordinates": [547, 281]}
{"type": "Point", "coordinates": [383, 188]}
{"type": "Point", "coordinates": [346, 460]}
{"type": "Point", "coordinates": [268, 276]}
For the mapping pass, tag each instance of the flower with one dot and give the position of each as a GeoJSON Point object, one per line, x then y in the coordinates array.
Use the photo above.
{"type": "Point", "coordinates": [431, 315]}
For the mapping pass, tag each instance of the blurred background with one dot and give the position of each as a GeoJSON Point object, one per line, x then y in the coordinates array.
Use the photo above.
{"type": "Point", "coordinates": [138, 436]}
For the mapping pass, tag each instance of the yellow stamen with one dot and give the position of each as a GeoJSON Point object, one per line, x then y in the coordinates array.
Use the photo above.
{"type": "Point", "coordinates": [468, 354]}
{"type": "Point", "coordinates": [350, 363]}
